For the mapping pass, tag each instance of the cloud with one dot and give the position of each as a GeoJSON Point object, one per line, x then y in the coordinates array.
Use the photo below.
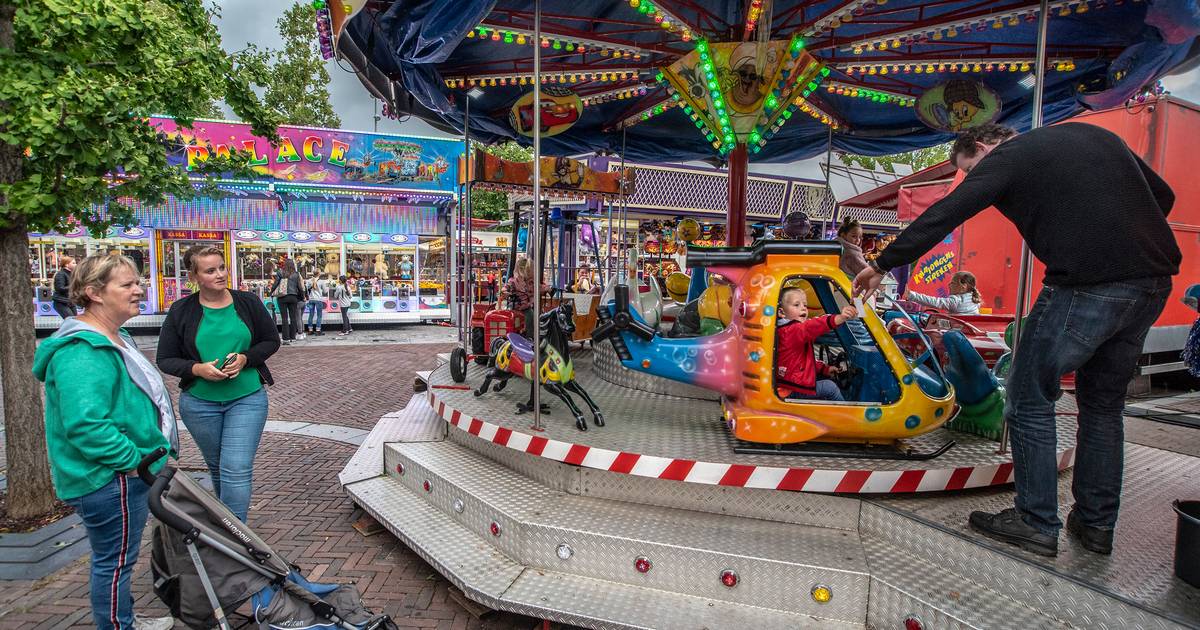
{"type": "Point", "coordinates": [1185, 86]}
{"type": "Point", "coordinates": [243, 23]}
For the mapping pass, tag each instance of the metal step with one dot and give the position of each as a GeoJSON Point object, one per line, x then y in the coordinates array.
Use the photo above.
{"type": "Point", "coordinates": [777, 564]}
{"type": "Point", "coordinates": [1059, 596]}
{"type": "Point", "coordinates": [417, 422]}
{"type": "Point", "coordinates": [489, 577]}
{"type": "Point", "coordinates": [904, 586]}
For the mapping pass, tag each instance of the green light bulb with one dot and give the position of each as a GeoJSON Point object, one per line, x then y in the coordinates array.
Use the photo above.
{"type": "Point", "coordinates": [557, 45]}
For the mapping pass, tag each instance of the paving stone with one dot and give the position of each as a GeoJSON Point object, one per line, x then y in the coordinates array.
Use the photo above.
{"type": "Point", "coordinates": [298, 506]}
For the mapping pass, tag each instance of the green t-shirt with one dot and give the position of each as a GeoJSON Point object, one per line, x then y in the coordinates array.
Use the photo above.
{"type": "Point", "coordinates": [221, 331]}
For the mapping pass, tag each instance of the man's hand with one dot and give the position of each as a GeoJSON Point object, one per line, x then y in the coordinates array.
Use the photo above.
{"type": "Point", "coordinates": [866, 282]}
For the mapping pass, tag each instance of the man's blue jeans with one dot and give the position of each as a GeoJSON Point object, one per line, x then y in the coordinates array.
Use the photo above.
{"type": "Point", "coordinates": [114, 516]}
{"type": "Point", "coordinates": [316, 309]}
{"type": "Point", "coordinates": [1097, 332]}
{"type": "Point", "coordinates": [227, 434]}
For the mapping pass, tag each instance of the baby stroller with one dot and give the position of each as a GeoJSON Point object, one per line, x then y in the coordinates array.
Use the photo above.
{"type": "Point", "coordinates": [205, 561]}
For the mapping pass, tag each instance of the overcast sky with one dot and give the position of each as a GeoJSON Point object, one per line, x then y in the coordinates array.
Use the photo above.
{"type": "Point", "coordinates": [243, 21]}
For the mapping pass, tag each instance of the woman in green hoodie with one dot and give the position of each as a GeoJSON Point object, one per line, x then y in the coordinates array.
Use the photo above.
{"type": "Point", "coordinates": [106, 408]}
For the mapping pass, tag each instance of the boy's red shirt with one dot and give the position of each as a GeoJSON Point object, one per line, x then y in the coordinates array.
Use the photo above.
{"type": "Point", "coordinates": [796, 366]}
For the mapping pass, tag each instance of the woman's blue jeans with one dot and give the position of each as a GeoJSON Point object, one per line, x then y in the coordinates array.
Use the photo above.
{"type": "Point", "coordinates": [1096, 331]}
{"type": "Point", "coordinates": [114, 516]}
{"type": "Point", "coordinates": [227, 434]}
{"type": "Point", "coordinates": [316, 309]}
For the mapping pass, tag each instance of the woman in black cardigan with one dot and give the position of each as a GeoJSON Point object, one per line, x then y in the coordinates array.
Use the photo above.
{"type": "Point", "coordinates": [217, 342]}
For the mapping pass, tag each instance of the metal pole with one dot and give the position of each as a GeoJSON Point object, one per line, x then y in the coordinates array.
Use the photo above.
{"type": "Point", "coordinates": [1026, 269]}
{"type": "Point", "coordinates": [735, 218]}
{"type": "Point", "coordinates": [535, 218]}
{"type": "Point", "coordinates": [622, 263]}
{"type": "Point", "coordinates": [469, 285]}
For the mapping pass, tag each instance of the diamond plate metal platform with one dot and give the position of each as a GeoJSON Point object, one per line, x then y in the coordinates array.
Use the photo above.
{"type": "Point", "coordinates": [490, 578]}
{"type": "Point", "coordinates": [887, 557]}
{"type": "Point", "coordinates": [660, 436]}
{"type": "Point", "coordinates": [777, 562]}
{"type": "Point", "coordinates": [1140, 570]}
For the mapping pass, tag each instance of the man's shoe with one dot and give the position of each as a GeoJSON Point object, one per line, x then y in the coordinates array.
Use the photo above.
{"type": "Point", "coordinates": [153, 623]}
{"type": "Point", "coordinates": [1094, 539]}
{"type": "Point", "coordinates": [1009, 527]}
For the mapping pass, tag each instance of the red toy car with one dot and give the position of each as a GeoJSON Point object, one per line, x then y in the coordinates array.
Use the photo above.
{"type": "Point", "coordinates": [989, 345]}
{"type": "Point", "coordinates": [489, 323]}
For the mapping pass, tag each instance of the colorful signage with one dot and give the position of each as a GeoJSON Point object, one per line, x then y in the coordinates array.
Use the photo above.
{"type": "Point", "coordinates": [743, 91]}
{"type": "Point", "coordinates": [191, 235]}
{"type": "Point", "coordinates": [559, 174]}
{"type": "Point", "coordinates": [326, 157]}
{"type": "Point", "coordinates": [932, 272]}
{"type": "Point", "coordinates": [957, 105]}
{"type": "Point", "coordinates": [561, 108]}
{"type": "Point", "coordinates": [323, 237]}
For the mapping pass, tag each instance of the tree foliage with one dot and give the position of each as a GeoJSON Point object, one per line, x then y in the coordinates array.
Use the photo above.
{"type": "Point", "coordinates": [297, 87]}
{"type": "Point", "coordinates": [77, 80]}
{"type": "Point", "coordinates": [918, 159]}
{"type": "Point", "coordinates": [491, 205]}
{"type": "Point", "coordinates": [76, 87]}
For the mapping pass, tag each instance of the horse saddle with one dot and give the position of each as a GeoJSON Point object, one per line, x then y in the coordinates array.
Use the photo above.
{"type": "Point", "coordinates": [521, 346]}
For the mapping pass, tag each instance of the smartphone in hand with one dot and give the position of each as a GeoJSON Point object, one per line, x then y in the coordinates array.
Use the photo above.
{"type": "Point", "coordinates": [226, 362]}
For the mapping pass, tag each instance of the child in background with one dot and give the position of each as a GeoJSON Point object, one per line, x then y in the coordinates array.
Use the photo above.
{"type": "Point", "coordinates": [850, 235]}
{"type": "Point", "coordinates": [963, 300]}
{"type": "Point", "coordinates": [798, 370]}
{"type": "Point", "coordinates": [344, 296]}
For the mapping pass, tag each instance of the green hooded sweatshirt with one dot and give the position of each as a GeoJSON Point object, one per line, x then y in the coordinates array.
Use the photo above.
{"type": "Point", "coordinates": [98, 422]}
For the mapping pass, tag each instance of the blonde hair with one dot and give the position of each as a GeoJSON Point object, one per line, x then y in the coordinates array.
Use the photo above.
{"type": "Point", "coordinates": [200, 251]}
{"type": "Point", "coordinates": [521, 270]}
{"type": "Point", "coordinates": [65, 260]}
{"type": "Point", "coordinates": [96, 271]}
{"type": "Point", "coordinates": [967, 280]}
{"type": "Point", "coordinates": [784, 293]}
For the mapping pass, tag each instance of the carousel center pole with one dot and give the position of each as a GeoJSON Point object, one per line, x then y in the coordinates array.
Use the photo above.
{"type": "Point", "coordinates": [535, 220]}
{"type": "Point", "coordinates": [1026, 270]}
{"type": "Point", "coordinates": [735, 219]}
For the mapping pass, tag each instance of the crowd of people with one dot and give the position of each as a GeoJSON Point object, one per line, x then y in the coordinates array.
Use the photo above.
{"type": "Point", "coordinates": [296, 296]}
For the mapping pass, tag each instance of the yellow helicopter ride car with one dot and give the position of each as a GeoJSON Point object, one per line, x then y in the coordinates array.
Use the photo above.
{"type": "Point", "coordinates": [888, 396]}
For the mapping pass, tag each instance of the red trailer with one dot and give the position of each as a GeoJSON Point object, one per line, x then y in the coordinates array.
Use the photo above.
{"type": "Point", "coordinates": [1162, 132]}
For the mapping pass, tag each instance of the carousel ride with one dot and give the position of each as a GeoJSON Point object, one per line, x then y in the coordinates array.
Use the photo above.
{"type": "Point", "coordinates": [703, 498]}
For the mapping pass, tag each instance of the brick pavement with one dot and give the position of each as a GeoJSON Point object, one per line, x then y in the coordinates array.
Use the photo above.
{"type": "Point", "coordinates": [347, 385]}
{"type": "Point", "coordinates": [300, 510]}
{"type": "Point", "coordinates": [298, 506]}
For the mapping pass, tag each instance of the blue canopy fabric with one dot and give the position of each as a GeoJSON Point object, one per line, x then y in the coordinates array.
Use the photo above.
{"type": "Point", "coordinates": [1117, 47]}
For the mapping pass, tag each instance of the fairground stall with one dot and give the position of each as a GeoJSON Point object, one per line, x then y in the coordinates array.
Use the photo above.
{"type": "Point", "coordinates": [335, 202]}
{"type": "Point", "coordinates": [658, 478]}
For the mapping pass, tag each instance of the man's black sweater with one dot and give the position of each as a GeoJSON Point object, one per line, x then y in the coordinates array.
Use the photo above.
{"type": "Point", "coordinates": [1090, 209]}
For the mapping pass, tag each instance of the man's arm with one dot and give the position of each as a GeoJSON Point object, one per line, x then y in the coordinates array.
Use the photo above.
{"type": "Point", "coordinates": [981, 188]}
{"type": "Point", "coordinates": [1158, 187]}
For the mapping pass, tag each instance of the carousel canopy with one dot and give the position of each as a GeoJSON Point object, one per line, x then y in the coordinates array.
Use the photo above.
{"type": "Point", "coordinates": [686, 79]}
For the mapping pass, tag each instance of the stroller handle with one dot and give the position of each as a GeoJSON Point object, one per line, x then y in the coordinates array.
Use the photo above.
{"type": "Point", "coordinates": [159, 485]}
{"type": "Point", "coordinates": [167, 517]}
{"type": "Point", "coordinates": [143, 469]}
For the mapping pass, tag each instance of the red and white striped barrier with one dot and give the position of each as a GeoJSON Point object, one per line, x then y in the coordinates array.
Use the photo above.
{"type": "Point", "coordinates": [739, 475]}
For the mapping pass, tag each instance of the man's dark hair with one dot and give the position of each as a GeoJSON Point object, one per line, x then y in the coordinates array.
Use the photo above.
{"type": "Point", "coordinates": [986, 134]}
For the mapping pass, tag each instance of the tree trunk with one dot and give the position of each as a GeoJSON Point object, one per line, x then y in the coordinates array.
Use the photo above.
{"type": "Point", "coordinates": [30, 492]}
